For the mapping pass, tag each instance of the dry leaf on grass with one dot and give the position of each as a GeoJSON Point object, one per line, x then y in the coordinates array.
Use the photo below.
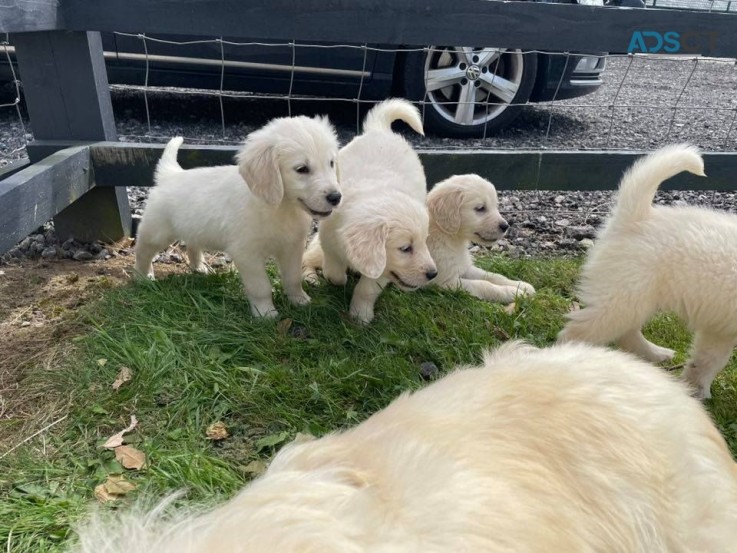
{"type": "Point", "coordinates": [510, 309]}
{"type": "Point", "coordinates": [102, 362]}
{"type": "Point", "coordinates": [116, 440]}
{"type": "Point", "coordinates": [130, 457]}
{"type": "Point", "coordinates": [124, 376]}
{"type": "Point", "coordinates": [282, 327]}
{"type": "Point", "coordinates": [217, 431]}
{"type": "Point", "coordinates": [257, 468]}
{"type": "Point", "coordinates": [115, 487]}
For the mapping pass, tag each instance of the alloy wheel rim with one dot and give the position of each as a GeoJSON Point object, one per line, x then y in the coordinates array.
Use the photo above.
{"type": "Point", "coordinates": [472, 86]}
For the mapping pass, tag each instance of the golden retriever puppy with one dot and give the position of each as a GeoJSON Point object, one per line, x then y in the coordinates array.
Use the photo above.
{"type": "Point", "coordinates": [380, 230]}
{"type": "Point", "coordinates": [648, 259]}
{"type": "Point", "coordinates": [463, 210]}
{"type": "Point", "coordinates": [568, 449]}
{"type": "Point", "coordinates": [290, 177]}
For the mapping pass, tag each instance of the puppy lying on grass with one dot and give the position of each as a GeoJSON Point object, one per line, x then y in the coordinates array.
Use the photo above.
{"type": "Point", "coordinates": [654, 258]}
{"type": "Point", "coordinates": [568, 449]}
{"type": "Point", "coordinates": [259, 209]}
{"type": "Point", "coordinates": [463, 210]}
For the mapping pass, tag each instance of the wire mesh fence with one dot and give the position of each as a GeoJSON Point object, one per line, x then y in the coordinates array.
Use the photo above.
{"type": "Point", "coordinates": [637, 102]}
{"type": "Point", "coordinates": [13, 139]}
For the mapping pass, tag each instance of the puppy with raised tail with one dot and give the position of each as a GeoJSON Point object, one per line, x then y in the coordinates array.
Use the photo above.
{"type": "Point", "coordinates": [464, 210]}
{"type": "Point", "coordinates": [381, 229]}
{"type": "Point", "coordinates": [260, 209]}
{"type": "Point", "coordinates": [568, 449]}
{"type": "Point", "coordinates": [655, 258]}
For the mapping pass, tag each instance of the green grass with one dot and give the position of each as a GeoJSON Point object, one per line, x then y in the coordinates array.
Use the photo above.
{"type": "Point", "coordinates": [198, 357]}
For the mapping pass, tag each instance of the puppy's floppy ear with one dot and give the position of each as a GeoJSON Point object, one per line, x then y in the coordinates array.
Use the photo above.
{"type": "Point", "coordinates": [444, 205]}
{"type": "Point", "coordinates": [258, 164]}
{"type": "Point", "coordinates": [365, 246]}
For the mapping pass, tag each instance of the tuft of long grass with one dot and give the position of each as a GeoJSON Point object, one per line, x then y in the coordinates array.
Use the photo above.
{"type": "Point", "coordinates": [198, 358]}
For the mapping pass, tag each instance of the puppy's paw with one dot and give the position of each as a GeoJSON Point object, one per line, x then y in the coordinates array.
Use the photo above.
{"type": "Point", "coordinates": [311, 278]}
{"type": "Point", "coordinates": [336, 278]}
{"type": "Point", "coordinates": [300, 298]}
{"type": "Point", "coordinates": [202, 268]}
{"type": "Point", "coordinates": [524, 289]}
{"type": "Point", "coordinates": [264, 311]}
{"type": "Point", "coordinates": [362, 314]}
{"type": "Point", "coordinates": [506, 294]}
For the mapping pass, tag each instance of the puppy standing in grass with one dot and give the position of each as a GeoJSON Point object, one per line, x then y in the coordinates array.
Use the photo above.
{"type": "Point", "coordinates": [647, 259]}
{"type": "Point", "coordinates": [569, 449]}
{"type": "Point", "coordinates": [381, 228]}
{"type": "Point", "coordinates": [290, 177]}
{"type": "Point", "coordinates": [464, 210]}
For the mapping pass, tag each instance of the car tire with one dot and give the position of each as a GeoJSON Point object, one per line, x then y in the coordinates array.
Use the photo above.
{"type": "Point", "coordinates": [472, 73]}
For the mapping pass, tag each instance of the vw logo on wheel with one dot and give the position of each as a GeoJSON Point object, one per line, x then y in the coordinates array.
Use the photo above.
{"type": "Point", "coordinates": [473, 72]}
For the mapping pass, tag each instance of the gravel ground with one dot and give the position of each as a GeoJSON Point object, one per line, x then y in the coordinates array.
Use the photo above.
{"type": "Point", "coordinates": [633, 110]}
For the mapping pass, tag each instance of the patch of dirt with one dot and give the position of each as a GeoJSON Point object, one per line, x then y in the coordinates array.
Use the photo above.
{"type": "Point", "coordinates": [38, 300]}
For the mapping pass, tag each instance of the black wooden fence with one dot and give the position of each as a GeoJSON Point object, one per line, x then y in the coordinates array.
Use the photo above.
{"type": "Point", "coordinates": [79, 170]}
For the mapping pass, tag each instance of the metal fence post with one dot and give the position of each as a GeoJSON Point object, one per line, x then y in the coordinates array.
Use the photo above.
{"type": "Point", "coordinates": [66, 91]}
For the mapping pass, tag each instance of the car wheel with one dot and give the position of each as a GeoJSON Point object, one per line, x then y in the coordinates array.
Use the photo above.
{"type": "Point", "coordinates": [468, 92]}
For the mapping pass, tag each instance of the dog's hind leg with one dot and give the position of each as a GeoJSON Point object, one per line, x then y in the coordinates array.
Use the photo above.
{"type": "Point", "coordinates": [604, 323]}
{"type": "Point", "coordinates": [709, 355]}
{"type": "Point", "coordinates": [333, 268]}
{"type": "Point", "coordinates": [634, 342]}
{"type": "Point", "coordinates": [196, 260]}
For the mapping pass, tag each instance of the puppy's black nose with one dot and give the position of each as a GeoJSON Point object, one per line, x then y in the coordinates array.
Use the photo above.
{"type": "Point", "coordinates": [431, 274]}
{"type": "Point", "coordinates": [503, 226]}
{"type": "Point", "coordinates": [333, 198]}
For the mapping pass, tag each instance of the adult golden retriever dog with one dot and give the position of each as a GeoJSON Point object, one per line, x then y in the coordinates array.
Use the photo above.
{"type": "Point", "coordinates": [651, 258]}
{"type": "Point", "coordinates": [569, 449]}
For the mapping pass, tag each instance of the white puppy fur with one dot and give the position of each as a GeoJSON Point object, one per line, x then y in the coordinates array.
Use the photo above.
{"type": "Point", "coordinates": [463, 210]}
{"type": "Point", "coordinates": [651, 258]}
{"type": "Point", "coordinates": [380, 230]}
{"type": "Point", "coordinates": [289, 169]}
{"type": "Point", "coordinates": [572, 448]}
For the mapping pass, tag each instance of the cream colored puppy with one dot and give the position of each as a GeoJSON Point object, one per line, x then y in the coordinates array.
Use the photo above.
{"type": "Point", "coordinates": [463, 210]}
{"type": "Point", "coordinates": [648, 259]}
{"type": "Point", "coordinates": [380, 230]}
{"type": "Point", "coordinates": [290, 177]}
{"type": "Point", "coordinates": [567, 449]}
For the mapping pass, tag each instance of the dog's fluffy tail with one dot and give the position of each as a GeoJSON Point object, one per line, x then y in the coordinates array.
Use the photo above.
{"type": "Point", "coordinates": [639, 184]}
{"type": "Point", "coordinates": [381, 116]}
{"type": "Point", "coordinates": [168, 162]}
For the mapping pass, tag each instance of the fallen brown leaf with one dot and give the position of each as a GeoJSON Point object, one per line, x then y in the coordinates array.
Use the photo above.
{"type": "Point", "coordinates": [130, 457]}
{"type": "Point", "coordinates": [102, 495]}
{"type": "Point", "coordinates": [282, 327]}
{"type": "Point", "coordinates": [255, 467]}
{"type": "Point", "coordinates": [115, 487]}
{"type": "Point", "coordinates": [124, 375]}
{"type": "Point", "coordinates": [117, 484]}
{"type": "Point", "coordinates": [116, 440]}
{"type": "Point", "coordinates": [217, 431]}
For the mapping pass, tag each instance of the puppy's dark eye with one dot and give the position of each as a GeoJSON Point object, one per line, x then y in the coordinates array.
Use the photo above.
{"type": "Point", "coordinates": [406, 249]}
{"type": "Point", "coordinates": [480, 209]}
{"type": "Point", "coordinates": [332, 163]}
{"type": "Point", "coordinates": [302, 169]}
